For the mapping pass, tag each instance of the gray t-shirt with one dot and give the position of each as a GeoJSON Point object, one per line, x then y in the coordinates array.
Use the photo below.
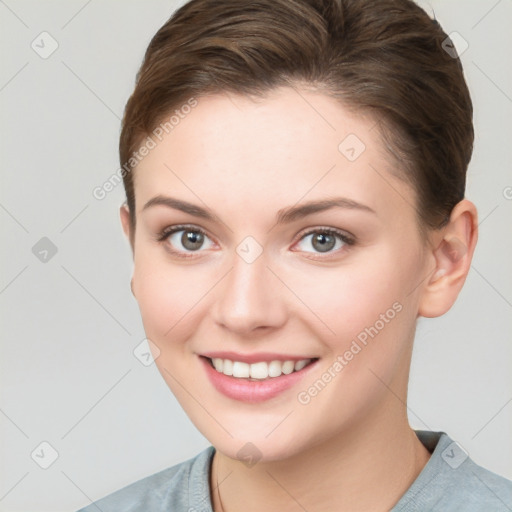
{"type": "Point", "coordinates": [449, 482]}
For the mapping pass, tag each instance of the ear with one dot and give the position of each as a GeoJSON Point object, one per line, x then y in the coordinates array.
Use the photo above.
{"type": "Point", "coordinates": [124, 213]}
{"type": "Point", "coordinates": [452, 253]}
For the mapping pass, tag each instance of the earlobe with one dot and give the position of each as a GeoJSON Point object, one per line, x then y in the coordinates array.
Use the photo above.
{"type": "Point", "coordinates": [452, 256]}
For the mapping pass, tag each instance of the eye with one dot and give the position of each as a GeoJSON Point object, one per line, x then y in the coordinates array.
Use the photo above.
{"type": "Point", "coordinates": [185, 239]}
{"type": "Point", "coordinates": [324, 240]}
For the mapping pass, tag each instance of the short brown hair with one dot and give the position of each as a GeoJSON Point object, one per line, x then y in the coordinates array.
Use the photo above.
{"type": "Point", "coordinates": [382, 56]}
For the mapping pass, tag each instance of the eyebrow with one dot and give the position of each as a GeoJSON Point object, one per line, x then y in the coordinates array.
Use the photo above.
{"type": "Point", "coordinates": [285, 215]}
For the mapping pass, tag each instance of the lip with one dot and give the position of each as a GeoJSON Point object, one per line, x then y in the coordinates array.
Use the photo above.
{"type": "Point", "coordinates": [255, 358]}
{"type": "Point", "coordinates": [245, 390]}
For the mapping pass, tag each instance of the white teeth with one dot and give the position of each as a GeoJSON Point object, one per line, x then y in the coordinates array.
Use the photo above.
{"type": "Point", "coordinates": [261, 370]}
{"type": "Point", "coordinates": [300, 364]}
{"type": "Point", "coordinates": [288, 367]}
{"type": "Point", "coordinates": [274, 369]}
{"type": "Point", "coordinates": [240, 369]}
{"type": "Point", "coordinates": [228, 367]}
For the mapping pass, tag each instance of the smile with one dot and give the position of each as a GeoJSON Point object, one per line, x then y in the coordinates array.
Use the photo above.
{"type": "Point", "coordinates": [254, 380]}
{"type": "Point", "coordinates": [258, 371]}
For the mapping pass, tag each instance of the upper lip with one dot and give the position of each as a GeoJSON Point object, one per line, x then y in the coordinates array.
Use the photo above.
{"type": "Point", "coordinates": [254, 357]}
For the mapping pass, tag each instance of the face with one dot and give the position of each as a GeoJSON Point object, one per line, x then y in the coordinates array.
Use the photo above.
{"type": "Point", "coordinates": [229, 264]}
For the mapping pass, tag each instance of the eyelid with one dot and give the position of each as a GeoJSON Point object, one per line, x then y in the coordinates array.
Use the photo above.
{"type": "Point", "coordinates": [346, 236]}
{"type": "Point", "coordinates": [169, 230]}
{"type": "Point", "coordinates": [347, 239]}
{"type": "Point", "coordinates": [165, 233]}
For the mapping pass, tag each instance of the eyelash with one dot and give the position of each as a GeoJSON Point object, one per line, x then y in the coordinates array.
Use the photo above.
{"type": "Point", "coordinates": [167, 232]}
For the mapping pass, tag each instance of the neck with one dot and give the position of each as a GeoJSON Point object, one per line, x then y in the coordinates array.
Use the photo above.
{"type": "Point", "coordinates": [364, 468]}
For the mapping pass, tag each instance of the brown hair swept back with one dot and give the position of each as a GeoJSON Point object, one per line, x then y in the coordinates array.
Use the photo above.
{"type": "Point", "coordinates": [384, 56]}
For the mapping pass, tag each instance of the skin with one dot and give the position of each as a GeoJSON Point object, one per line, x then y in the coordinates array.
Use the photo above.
{"type": "Point", "coordinates": [350, 447]}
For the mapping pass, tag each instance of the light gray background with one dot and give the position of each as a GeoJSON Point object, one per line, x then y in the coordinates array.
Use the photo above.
{"type": "Point", "coordinates": [68, 373]}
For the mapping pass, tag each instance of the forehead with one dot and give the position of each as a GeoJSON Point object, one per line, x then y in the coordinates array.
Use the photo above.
{"type": "Point", "coordinates": [270, 151]}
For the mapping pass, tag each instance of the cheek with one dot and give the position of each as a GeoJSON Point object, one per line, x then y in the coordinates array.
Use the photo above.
{"type": "Point", "coordinates": [168, 297]}
{"type": "Point", "coordinates": [347, 300]}
{"type": "Point", "coordinates": [171, 299]}
{"type": "Point", "coordinates": [376, 322]}
{"type": "Point", "coordinates": [370, 315]}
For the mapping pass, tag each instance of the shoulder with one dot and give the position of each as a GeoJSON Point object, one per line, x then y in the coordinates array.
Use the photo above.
{"type": "Point", "coordinates": [173, 488]}
{"type": "Point", "coordinates": [451, 480]}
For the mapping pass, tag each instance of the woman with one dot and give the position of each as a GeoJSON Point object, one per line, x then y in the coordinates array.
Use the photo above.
{"type": "Point", "coordinates": [295, 175]}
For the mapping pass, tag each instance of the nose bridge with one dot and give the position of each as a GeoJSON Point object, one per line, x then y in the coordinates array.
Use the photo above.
{"type": "Point", "coordinates": [248, 297]}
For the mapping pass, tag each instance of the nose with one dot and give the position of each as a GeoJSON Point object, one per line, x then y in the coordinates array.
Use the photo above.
{"type": "Point", "coordinates": [250, 299]}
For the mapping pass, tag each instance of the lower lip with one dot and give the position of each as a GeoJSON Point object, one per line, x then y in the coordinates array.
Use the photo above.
{"type": "Point", "coordinates": [252, 391]}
